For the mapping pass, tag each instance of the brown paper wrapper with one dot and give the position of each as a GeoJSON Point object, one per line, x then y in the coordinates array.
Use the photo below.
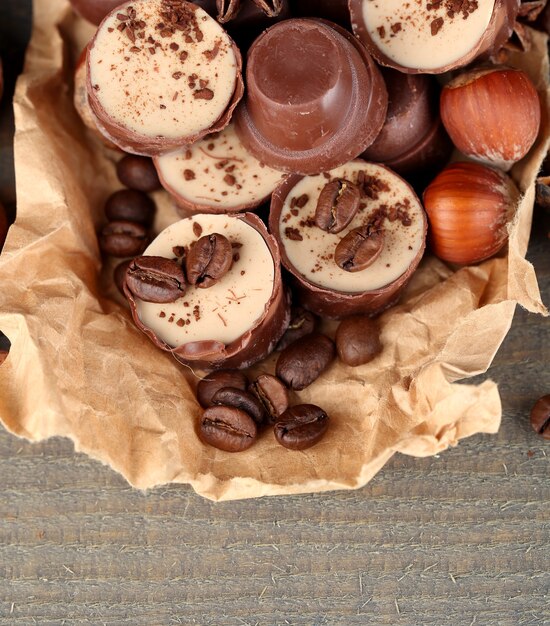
{"type": "Point", "coordinates": [79, 368]}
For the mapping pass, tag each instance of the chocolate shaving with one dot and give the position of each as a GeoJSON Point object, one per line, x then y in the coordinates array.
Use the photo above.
{"type": "Point", "coordinates": [203, 94]}
{"type": "Point", "coordinates": [293, 234]}
{"type": "Point", "coordinates": [436, 26]}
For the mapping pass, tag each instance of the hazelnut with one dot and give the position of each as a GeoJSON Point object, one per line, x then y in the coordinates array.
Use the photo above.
{"type": "Point", "coordinates": [492, 114]}
{"type": "Point", "coordinates": [469, 206]}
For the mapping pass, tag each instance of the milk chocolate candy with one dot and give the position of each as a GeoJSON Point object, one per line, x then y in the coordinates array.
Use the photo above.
{"type": "Point", "coordinates": [216, 175]}
{"type": "Point", "coordinates": [390, 217]}
{"type": "Point", "coordinates": [413, 139]}
{"type": "Point", "coordinates": [236, 321]}
{"type": "Point", "coordinates": [162, 73]}
{"type": "Point", "coordinates": [432, 37]}
{"type": "Point", "coordinates": [315, 99]}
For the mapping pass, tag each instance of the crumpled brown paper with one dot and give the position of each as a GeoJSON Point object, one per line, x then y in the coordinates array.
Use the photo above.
{"type": "Point", "coordinates": [79, 368]}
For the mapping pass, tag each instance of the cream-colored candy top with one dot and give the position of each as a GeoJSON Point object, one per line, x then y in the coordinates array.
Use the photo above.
{"type": "Point", "coordinates": [229, 308]}
{"type": "Point", "coordinates": [218, 172]}
{"type": "Point", "coordinates": [161, 81]}
{"type": "Point", "coordinates": [426, 34]}
{"type": "Point", "coordinates": [313, 255]}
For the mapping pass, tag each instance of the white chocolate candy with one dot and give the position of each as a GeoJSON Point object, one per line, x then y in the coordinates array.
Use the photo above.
{"type": "Point", "coordinates": [217, 172]}
{"type": "Point", "coordinates": [230, 307]}
{"type": "Point", "coordinates": [422, 34]}
{"type": "Point", "coordinates": [313, 254]}
{"type": "Point", "coordinates": [159, 81]}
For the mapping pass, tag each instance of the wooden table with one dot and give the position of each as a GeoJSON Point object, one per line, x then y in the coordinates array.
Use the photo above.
{"type": "Point", "coordinates": [460, 539]}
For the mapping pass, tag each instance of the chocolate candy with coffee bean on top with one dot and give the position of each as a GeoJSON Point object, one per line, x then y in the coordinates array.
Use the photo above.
{"type": "Point", "coordinates": [363, 268]}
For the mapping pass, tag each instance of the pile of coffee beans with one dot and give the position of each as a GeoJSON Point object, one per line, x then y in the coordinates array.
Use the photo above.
{"type": "Point", "coordinates": [236, 409]}
{"type": "Point", "coordinates": [130, 213]}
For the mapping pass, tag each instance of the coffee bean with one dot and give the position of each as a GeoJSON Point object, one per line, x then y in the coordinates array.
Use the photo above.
{"type": "Point", "coordinates": [138, 172]}
{"type": "Point", "coordinates": [239, 399]}
{"type": "Point", "coordinates": [337, 205]}
{"type": "Point", "coordinates": [540, 417]}
{"type": "Point", "coordinates": [302, 323]}
{"type": "Point", "coordinates": [227, 428]}
{"type": "Point", "coordinates": [305, 360]}
{"type": "Point", "coordinates": [358, 340]}
{"type": "Point", "coordinates": [273, 395]}
{"type": "Point", "coordinates": [119, 274]}
{"type": "Point", "coordinates": [301, 426]}
{"type": "Point", "coordinates": [131, 206]}
{"type": "Point", "coordinates": [359, 248]}
{"type": "Point", "coordinates": [214, 381]}
{"type": "Point", "coordinates": [122, 239]}
{"type": "Point", "coordinates": [209, 259]}
{"type": "Point", "coordinates": [156, 279]}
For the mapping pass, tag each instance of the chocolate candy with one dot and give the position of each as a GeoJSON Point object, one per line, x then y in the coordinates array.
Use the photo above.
{"type": "Point", "coordinates": [322, 263]}
{"type": "Point", "coordinates": [216, 175]}
{"type": "Point", "coordinates": [432, 37]}
{"type": "Point", "coordinates": [315, 99]}
{"type": "Point", "coordinates": [162, 74]}
{"type": "Point", "coordinates": [412, 140]}
{"type": "Point", "coordinates": [240, 317]}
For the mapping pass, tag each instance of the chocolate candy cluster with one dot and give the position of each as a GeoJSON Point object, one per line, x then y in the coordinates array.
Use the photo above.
{"type": "Point", "coordinates": [330, 134]}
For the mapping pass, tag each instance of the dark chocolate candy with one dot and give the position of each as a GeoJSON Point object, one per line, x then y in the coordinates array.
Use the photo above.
{"type": "Point", "coordinates": [315, 98]}
{"type": "Point", "coordinates": [412, 139]}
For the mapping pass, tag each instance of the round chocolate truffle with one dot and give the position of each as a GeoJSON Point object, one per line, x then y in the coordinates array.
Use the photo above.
{"type": "Point", "coordinates": [216, 175]}
{"type": "Point", "coordinates": [236, 321]}
{"type": "Point", "coordinates": [162, 74]}
{"type": "Point", "coordinates": [432, 37]}
{"type": "Point", "coordinates": [315, 99]}
{"type": "Point", "coordinates": [333, 277]}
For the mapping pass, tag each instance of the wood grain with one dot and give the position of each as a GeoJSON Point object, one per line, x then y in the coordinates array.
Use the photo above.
{"type": "Point", "coordinates": [461, 539]}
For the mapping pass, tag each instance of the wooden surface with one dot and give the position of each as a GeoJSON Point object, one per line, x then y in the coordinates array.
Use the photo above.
{"type": "Point", "coordinates": [462, 539]}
